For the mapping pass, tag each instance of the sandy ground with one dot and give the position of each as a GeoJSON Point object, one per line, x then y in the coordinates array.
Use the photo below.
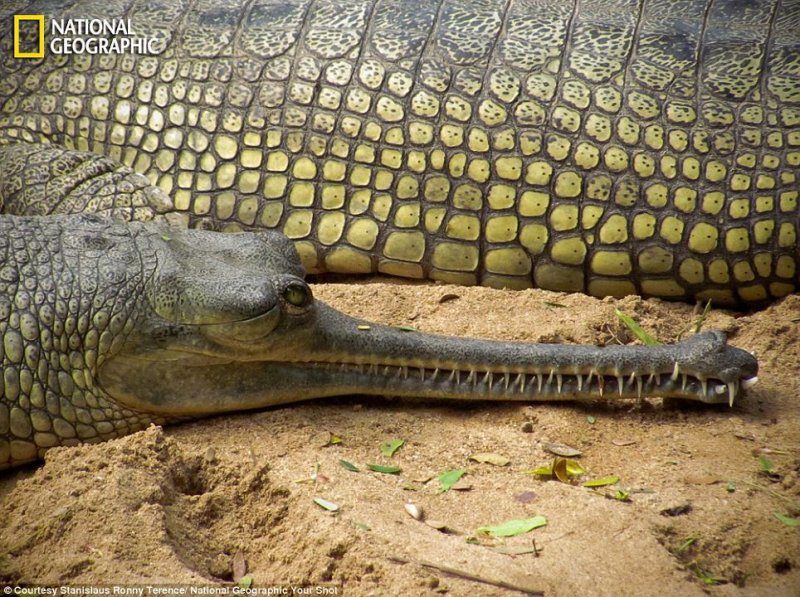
{"type": "Point", "coordinates": [205, 502]}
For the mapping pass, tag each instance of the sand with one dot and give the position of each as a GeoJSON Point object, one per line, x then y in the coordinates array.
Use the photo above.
{"type": "Point", "coordinates": [206, 502]}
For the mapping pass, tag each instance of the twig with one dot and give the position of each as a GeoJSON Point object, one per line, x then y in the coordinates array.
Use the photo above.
{"type": "Point", "coordinates": [771, 492]}
{"type": "Point", "coordinates": [469, 576]}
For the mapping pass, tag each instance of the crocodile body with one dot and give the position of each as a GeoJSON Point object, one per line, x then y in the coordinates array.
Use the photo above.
{"type": "Point", "coordinates": [608, 146]}
{"type": "Point", "coordinates": [107, 327]}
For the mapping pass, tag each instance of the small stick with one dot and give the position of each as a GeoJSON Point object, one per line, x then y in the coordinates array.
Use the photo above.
{"type": "Point", "coordinates": [771, 492]}
{"type": "Point", "coordinates": [469, 576]}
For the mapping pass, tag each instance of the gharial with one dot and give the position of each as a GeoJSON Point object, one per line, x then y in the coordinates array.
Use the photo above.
{"type": "Point", "coordinates": [606, 146]}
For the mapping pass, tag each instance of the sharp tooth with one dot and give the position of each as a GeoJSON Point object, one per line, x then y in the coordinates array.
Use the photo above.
{"type": "Point", "coordinates": [422, 374]}
{"type": "Point", "coordinates": [453, 375]}
{"type": "Point", "coordinates": [731, 392]}
{"type": "Point", "coordinates": [539, 381]}
{"type": "Point", "coordinates": [675, 372]}
{"type": "Point", "coordinates": [601, 382]}
{"type": "Point", "coordinates": [558, 382]}
{"type": "Point", "coordinates": [471, 377]}
{"type": "Point", "coordinates": [506, 378]}
{"type": "Point", "coordinates": [684, 381]}
{"type": "Point", "coordinates": [749, 383]}
{"type": "Point", "coordinates": [620, 381]}
{"type": "Point", "coordinates": [704, 385]}
{"type": "Point", "coordinates": [639, 387]}
{"type": "Point", "coordinates": [579, 379]}
{"type": "Point", "coordinates": [521, 381]}
{"type": "Point", "coordinates": [589, 378]}
{"type": "Point", "coordinates": [550, 377]}
{"type": "Point", "coordinates": [487, 379]}
{"type": "Point", "coordinates": [651, 379]}
{"type": "Point", "coordinates": [404, 371]}
{"type": "Point", "coordinates": [386, 370]}
{"type": "Point", "coordinates": [435, 373]}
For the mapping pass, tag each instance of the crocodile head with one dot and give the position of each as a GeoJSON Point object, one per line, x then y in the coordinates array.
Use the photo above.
{"type": "Point", "coordinates": [232, 325]}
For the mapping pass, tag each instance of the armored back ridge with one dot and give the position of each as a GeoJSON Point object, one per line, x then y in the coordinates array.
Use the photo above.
{"type": "Point", "coordinates": [610, 147]}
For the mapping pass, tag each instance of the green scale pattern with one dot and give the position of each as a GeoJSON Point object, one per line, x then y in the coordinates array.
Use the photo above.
{"type": "Point", "coordinates": [611, 147]}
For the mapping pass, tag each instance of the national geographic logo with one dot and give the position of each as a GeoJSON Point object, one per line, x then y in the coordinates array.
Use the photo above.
{"type": "Point", "coordinates": [31, 27]}
{"type": "Point", "coordinates": [78, 36]}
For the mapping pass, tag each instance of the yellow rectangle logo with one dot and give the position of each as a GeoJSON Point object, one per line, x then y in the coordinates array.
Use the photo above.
{"type": "Point", "coordinates": [18, 53]}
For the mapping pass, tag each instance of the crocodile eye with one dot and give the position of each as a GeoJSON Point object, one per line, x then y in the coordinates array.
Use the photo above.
{"type": "Point", "coordinates": [297, 294]}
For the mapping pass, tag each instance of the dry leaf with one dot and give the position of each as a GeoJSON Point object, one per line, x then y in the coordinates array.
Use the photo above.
{"type": "Point", "coordinates": [526, 497]}
{"type": "Point", "coordinates": [462, 485]}
{"type": "Point", "coordinates": [239, 566]}
{"type": "Point", "coordinates": [702, 479]}
{"type": "Point", "coordinates": [414, 511]}
{"type": "Point", "coordinates": [490, 458]}
{"type": "Point", "coordinates": [561, 450]}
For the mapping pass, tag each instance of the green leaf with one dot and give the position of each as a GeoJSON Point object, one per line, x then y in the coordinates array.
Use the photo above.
{"type": "Point", "coordinates": [388, 470]}
{"type": "Point", "coordinates": [246, 582]}
{"type": "Point", "coordinates": [590, 419]}
{"type": "Point", "coordinates": [406, 328]}
{"type": "Point", "coordinates": [622, 496]}
{"type": "Point", "coordinates": [602, 482]}
{"type": "Point", "coordinates": [708, 578]}
{"type": "Point", "coordinates": [637, 330]}
{"type": "Point", "coordinates": [490, 458]}
{"type": "Point", "coordinates": [512, 528]}
{"type": "Point", "coordinates": [389, 448]}
{"type": "Point", "coordinates": [542, 471]}
{"type": "Point", "coordinates": [564, 468]}
{"type": "Point", "coordinates": [554, 305]}
{"type": "Point", "coordinates": [349, 466]}
{"type": "Point", "coordinates": [766, 465]}
{"type": "Point", "coordinates": [327, 505]}
{"type": "Point", "coordinates": [730, 487]}
{"type": "Point", "coordinates": [787, 520]}
{"type": "Point", "coordinates": [686, 544]}
{"type": "Point", "coordinates": [335, 439]}
{"type": "Point", "coordinates": [449, 478]}
{"type": "Point", "coordinates": [574, 468]}
{"type": "Point", "coordinates": [561, 468]}
{"type": "Point", "coordinates": [701, 319]}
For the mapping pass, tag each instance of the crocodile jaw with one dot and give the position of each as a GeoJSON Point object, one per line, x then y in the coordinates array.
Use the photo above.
{"type": "Point", "coordinates": [326, 353]}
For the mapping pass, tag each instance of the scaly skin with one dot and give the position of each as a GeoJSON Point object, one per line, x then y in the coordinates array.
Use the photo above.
{"type": "Point", "coordinates": [107, 327]}
{"type": "Point", "coordinates": [607, 146]}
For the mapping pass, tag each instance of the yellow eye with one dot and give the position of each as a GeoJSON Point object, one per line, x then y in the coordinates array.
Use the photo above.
{"type": "Point", "coordinates": [297, 294]}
